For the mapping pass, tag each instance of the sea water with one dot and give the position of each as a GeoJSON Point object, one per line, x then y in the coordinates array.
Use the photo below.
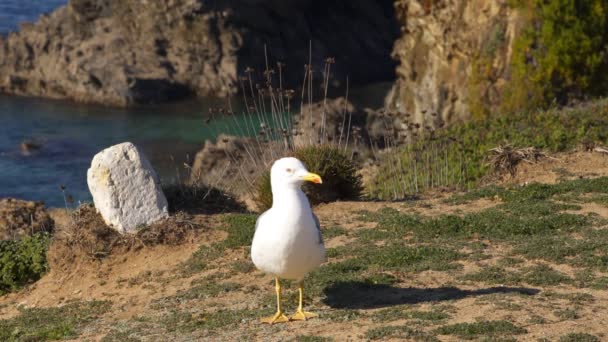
{"type": "Point", "coordinates": [70, 134]}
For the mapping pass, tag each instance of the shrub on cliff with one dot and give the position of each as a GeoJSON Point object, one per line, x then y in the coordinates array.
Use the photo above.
{"type": "Point", "coordinates": [338, 171]}
{"type": "Point", "coordinates": [22, 261]}
{"type": "Point", "coordinates": [560, 55]}
{"type": "Point", "coordinates": [436, 162]}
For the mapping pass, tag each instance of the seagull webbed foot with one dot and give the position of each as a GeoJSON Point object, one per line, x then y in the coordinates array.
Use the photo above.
{"type": "Point", "coordinates": [302, 315]}
{"type": "Point", "coordinates": [279, 317]}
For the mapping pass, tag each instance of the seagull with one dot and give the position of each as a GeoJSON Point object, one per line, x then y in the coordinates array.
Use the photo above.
{"type": "Point", "coordinates": [287, 242]}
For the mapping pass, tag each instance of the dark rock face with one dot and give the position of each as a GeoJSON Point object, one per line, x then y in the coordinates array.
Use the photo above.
{"type": "Point", "coordinates": [123, 52]}
{"type": "Point", "coordinates": [20, 218]}
{"type": "Point", "coordinates": [441, 45]}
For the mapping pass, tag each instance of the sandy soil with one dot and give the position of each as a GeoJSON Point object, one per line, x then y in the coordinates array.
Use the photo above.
{"type": "Point", "coordinates": [135, 281]}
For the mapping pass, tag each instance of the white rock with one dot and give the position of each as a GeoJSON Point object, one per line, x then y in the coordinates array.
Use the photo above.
{"type": "Point", "coordinates": [125, 188]}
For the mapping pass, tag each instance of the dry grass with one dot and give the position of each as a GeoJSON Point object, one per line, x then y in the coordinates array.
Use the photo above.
{"type": "Point", "coordinates": [87, 238]}
{"type": "Point", "coordinates": [505, 158]}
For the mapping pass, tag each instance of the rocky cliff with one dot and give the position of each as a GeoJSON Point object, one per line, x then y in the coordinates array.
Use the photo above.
{"type": "Point", "coordinates": [453, 58]}
{"type": "Point", "coordinates": [124, 52]}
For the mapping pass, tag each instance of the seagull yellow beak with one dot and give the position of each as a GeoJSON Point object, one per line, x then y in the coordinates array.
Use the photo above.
{"type": "Point", "coordinates": [312, 177]}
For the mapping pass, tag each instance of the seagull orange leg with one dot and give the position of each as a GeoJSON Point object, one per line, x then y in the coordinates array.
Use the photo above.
{"type": "Point", "coordinates": [302, 315]}
{"type": "Point", "coordinates": [279, 317]}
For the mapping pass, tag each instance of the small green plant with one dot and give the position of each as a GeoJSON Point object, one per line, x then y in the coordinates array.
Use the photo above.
{"type": "Point", "coordinates": [51, 323]}
{"type": "Point", "coordinates": [338, 171]}
{"type": "Point", "coordinates": [22, 261]}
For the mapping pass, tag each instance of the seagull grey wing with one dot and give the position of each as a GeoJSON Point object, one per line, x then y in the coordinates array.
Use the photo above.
{"type": "Point", "coordinates": [318, 224]}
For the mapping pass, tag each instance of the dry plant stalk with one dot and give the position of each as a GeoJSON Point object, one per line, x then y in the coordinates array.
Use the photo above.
{"type": "Point", "coordinates": [416, 160]}
{"type": "Point", "coordinates": [270, 120]}
{"type": "Point", "coordinates": [506, 157]}
{"type": "Point", "coordinates": [601, 149]}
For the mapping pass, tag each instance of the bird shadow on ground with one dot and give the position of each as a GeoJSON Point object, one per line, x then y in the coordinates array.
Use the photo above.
{"type": "Point", "coordinates": [362, 295]}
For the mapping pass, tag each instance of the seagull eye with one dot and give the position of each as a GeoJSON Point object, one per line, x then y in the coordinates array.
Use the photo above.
{"type": "Point", "coordinates": [289, 170]}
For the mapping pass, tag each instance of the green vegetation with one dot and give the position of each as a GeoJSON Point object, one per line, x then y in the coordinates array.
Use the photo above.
{"type": "Point", "coordinates": [51, 323]}
{"type": "Point", "coordinates": [470, 331]}
{"type": "Point", "coordinates": [567, 314]}
{"type": "Point", "coordinates": [541, 275]}
{"type": "Point", "coordinates": [465, 163]}
{"type": "Point", "coordinates": [240, 229]}
{"type": "Point", "coordinates": [187, 322]}
{"type": "Point", "coordinates": [579, 337]}
{"type": "Point", "coordinates": [560, 54]}
{"type": "Point", "coordinates": [483, 72]}
{"type": "Point", "coordinates": [22, 261]}
{"type": "Point", "coordinates": [338, 171]}
{"type": "Point", "coordinates": [302, 338]}
{"type": "Point", "coordinates": [206, 288]}
{"type": "Point", "coordinates": [429, 161]}
{"type": "Point", "coordinates": [403, 332]}
{"type": "Point", "coordinates": [378, 275]}
{"type": "Point", "coordinates": [402, 312]}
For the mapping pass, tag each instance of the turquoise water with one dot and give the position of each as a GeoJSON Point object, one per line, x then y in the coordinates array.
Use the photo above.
{"type": "Point", "coordinates": [71, 134]}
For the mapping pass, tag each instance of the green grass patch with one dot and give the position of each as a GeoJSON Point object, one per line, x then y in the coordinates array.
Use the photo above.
{"type": "Point", "coordinates": [182, 321]}
{"type": "Point", "coordinates": [402, 312]}
{"type": "Point", "coordinates": [540, 275]}
{"type": "Point", "coordinates": [242, 266]}
{"type": "Point", "coordinates": [531, 214]}
{"type": "Point", "coordinates": [331, 232]}
{"type": "Point", "coordinates": [543, 275]}
{"type": "Point", "coordinates": [589, 252]}
{"type": "Point", "coordinates": [471, 331]}
{"type": "Point", "coordinates": [572, 189]}
{"type": "Point", "coordinates": [567, 314]}
{"type": "Point", "coordinates": [240, 229]}
{"type": "Point", "coordinates": [410, 258]}
{"type": "Point", "coordinates": [312, 338]}
{"type": "Point", "coordinates": [579, 337]}
{"type": "Point", "coordinates": [401, 332]}
{"type": "Point", "coordinates": [51, 323]}
{"type": "Point", "coordinates": [206, 288]}
{"type": "Point", "coordinates": [553, 130]}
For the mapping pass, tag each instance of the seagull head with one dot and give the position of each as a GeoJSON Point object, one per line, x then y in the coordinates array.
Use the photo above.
{"type": "Point", "coordinates": [291, 172]}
